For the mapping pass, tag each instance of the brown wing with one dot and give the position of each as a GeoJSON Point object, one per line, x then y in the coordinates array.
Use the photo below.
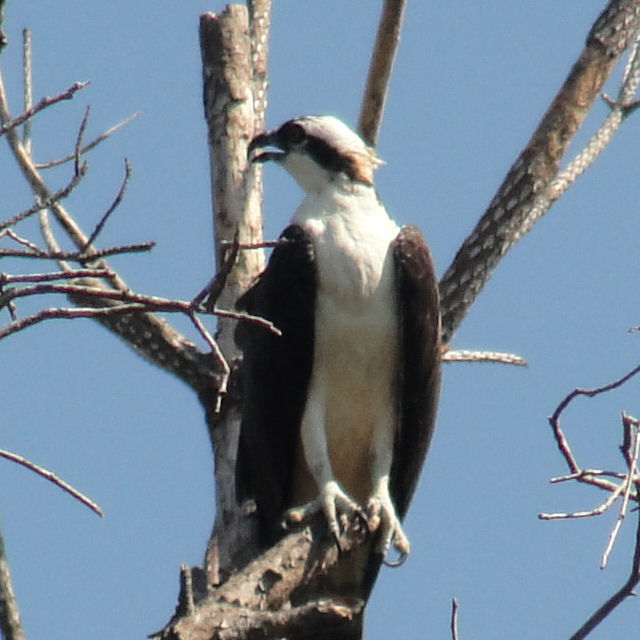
{"type": "Point", "coordinates": [275, 373]}
{"type": "Point", "coordinates": [419, 312]}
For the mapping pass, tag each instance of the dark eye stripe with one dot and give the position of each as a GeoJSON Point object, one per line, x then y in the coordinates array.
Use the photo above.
{"type": "Point", "coordinates": [327, 156]}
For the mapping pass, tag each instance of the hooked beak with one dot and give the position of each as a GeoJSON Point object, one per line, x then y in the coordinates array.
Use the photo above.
{"type": "Point", "coordinates": [261, 141]}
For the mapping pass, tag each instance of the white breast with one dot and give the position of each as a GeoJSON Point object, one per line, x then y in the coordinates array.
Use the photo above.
{"type": "Point", "coordinates": [356, 339]}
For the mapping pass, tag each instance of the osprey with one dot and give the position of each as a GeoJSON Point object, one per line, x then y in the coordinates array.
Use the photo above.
{"type": "Point", "coordinates": [338, 412]}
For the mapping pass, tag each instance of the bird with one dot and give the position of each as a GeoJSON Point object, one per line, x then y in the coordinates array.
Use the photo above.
{"type": "Point", "coordinates": [338, 411]}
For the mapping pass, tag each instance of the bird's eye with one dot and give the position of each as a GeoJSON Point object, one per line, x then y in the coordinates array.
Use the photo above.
{"type": "Point", "coordinates": [293, 133]}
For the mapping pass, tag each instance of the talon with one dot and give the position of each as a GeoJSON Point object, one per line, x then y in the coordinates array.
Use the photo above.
{"type": "Point", "coordinates": [334, 503]}
{"type": "Point", "coordinates": [395, 563]}
{"type": "Point", "coordinates": [383, 518]}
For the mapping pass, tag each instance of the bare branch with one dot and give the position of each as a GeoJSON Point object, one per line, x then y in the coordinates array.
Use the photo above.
{"type": "Point", "coordinates": [94, 143]}
{"type": "Point", "coordinates": [590, 393]}
{"type": "Point", "coordinates": [220, 359]}
{"type": "Point", "coordinates": [455, 605]}
{"type": "Point", "coordinates": [113, 207]}
{"type": "Point", "coordinates": [619, 596]}
{"type": "Point", "coordinates": [6, 278]}
{"type": "Point", "coordinates": [28, 87]}
{"type": "Point", "coordinates": [465, 355]}
{"type": "Point", "coordinates": [384, 53]}
{"type": "Point", "coordinates": [56, 313]}
{"type": "Point", "coordinates": [10, 625]}
{"type": "Point", "coordinates": [43, 103]}
{"type": "Point", "coordinates": [267, 582]}
{"type": "Point", "coordinates": [76, 153]}
{"type": "Point", "coordinates": [631, 455]}
{"type": "Point", "coordinates": [56, 196]}
{"type": "Point", "coordinates": [587, 514]}
{"type": "Point", "coordinates": [80, 256]}
{"type": "Point", "coordinates": [52, 477]}
{"type": "Point", "coordinates": [525, 186]}
{"type": "Point", "coordinates": [628, 488]}
{"type": "Point", "coordinates": [210, 294]}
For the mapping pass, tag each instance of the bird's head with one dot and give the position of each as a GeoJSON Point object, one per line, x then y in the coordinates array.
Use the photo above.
{"type": "Point", "coordinates": [315, 150]}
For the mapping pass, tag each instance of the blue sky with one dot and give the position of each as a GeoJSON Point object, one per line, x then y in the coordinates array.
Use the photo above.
{"type": "Point", "coordinates": [471, 82]}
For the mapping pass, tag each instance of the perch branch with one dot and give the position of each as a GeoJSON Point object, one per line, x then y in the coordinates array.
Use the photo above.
{"type": "Point", "coordinates": [267, 583]}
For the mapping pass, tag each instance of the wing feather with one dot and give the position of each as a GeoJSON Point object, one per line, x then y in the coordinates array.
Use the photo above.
{"type": "Point", "coordinates": [275, 373]}
{"type": "Point", "coordinates": [419, 312]}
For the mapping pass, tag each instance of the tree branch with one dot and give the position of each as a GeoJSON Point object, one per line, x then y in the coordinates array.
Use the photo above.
{"type": "Point", "coordinates": [380, 67]}
{"type": "Point", "coordinates": [526, 184]}
{"type": "Point", "coordinates": [266, 583]}
{"type": "Point", "coordinates": [53, 478]}
{"type": "Point", "coordinates": [10, 624]}
{"type": "Point", "coordinates": [234, 49]}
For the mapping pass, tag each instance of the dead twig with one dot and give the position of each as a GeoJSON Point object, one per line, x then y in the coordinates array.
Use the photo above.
{"type": "Point", "coordinates": [625, 590]}
{"type": "Point", "coordinates": [53, 478]}
{"type": "Point", "coordinates": [455, 605]}
{"type": "Point", "coordinates": [466, 355]}
{"type": "Point", "coordinates": [79, 256]}
{"type": "Point", "coordinates": [114, 205]}
{"type": "Point", "coordinates": [56, 196]}
{"type": "Point", "coordinates": [43, 103]}
{"type": "Point", "coordinates": [6, 278]}
{"type": "Point", "coordinates": [90, 145]}
{"type": "Point", "coordinates": [628, 488]}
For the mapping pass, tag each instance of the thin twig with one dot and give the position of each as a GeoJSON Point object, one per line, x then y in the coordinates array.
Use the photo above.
{"type": "Point", "coordinates": [267, 244]}
{"type": "Point", "coordinates": [28, 85]}
{"type": "Point", "coordinates": [52, 477]}
{"type": "Point", "coordinates": [79, 256]}
{"type": "Point", "coordinates": [611, 498]}
{"type": "Point", "coordinates": [466, 355]}
{"type": "Point", "coordinates": [90, 145]}
{"type": "Point", "coordinates": [67, 314]}
{"type": "Point", "coordinates": [77, 153]}
{"type": "Point", "coordinates": [43, 103]}
{"type": "Point", "coordinates": [20, 240]}
{"type": "Point", "coordinates": [590, 393]}
{"type": "Point", "coordinates": [241, 315]}
{"type": "Point", "coordinates": [211, 292]}
{"type": "Point", "coordinates": [6, 278]}
{"type": "Point", "coordinates": [221, 360]}
{"type": "Point", "coordinates": [588, 472]}
{"type": "Point", "coordinates": [631, 454]}
{"type": "Point", "coordinates": [454, 619]}
{"type": "Point", "coordinates": [114, 205]}
{"type": "Point", "coordinates": [619, 596]}
{"type": "Point", "coordinates": [45, 204]}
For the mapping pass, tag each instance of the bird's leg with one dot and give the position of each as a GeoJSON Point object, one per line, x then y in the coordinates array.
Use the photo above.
{"type": "Point", "coordinates": [382, 514]}
{"type": "Point", "coordinates": [332, 501]}
{"type": "Point", "coordinates": [383, 518]}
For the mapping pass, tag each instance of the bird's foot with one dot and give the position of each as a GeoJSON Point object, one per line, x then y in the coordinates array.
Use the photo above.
{"type": "Point", "coordinates": [337, 507]}
{"type": "Point", "coordinates": [383, 518]}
